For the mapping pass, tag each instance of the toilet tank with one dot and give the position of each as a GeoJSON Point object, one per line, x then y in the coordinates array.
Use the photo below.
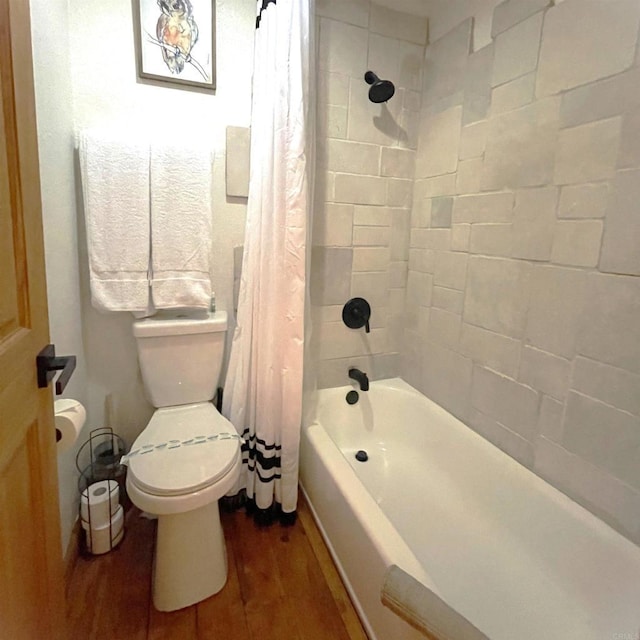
{"type": "Point", "coordinates": [180, 354]}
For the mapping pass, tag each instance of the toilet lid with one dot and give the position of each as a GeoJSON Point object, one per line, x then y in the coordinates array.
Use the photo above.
{"type": "Point", "coordinates": [183, 449]}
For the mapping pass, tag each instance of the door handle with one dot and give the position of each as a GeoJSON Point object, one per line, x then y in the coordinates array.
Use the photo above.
{"type": "Point", "coordinates": [47, 363]}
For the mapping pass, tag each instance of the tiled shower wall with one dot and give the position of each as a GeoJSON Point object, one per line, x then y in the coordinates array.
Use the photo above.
{"type": "Point", "coordinates": [523, 295]}
{"type": "Point", "coordinates": [364, 185]}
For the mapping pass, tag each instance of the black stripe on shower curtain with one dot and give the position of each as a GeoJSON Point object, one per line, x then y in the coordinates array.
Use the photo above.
{"type": "Point", "coordinates": [261, 457]}
{"type": "Point", "coordinates": [265, 4]}
{"type": "Point", "coordinates": [264, 461]}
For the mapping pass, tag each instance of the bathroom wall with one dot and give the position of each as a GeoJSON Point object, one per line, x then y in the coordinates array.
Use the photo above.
{"type": "Point", "coordinates": [85, 76]}
{"type": "Point", "coordinates": [52, 79]}
{"type": "Point", "coordinates": [365, 167]}
{"type": "Point", "coordinates": [523, 295]}
{"type": "Point", "coordinates": [444, 15]}
{"type": "Point", "coordinates": [106, 92]}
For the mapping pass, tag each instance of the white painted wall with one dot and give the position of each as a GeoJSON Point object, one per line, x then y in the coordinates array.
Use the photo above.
{"type": "Point", "coordinates": [85, 75]}
{"type": "Point", "coordinates": [55, 126]}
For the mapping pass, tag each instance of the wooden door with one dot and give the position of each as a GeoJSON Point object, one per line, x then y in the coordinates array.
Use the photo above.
{"type": "Point", "coordinates": [31, 597]}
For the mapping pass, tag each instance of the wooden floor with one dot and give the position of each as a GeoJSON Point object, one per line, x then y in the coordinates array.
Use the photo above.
{"type": "Point", "coordinates": [282, 586]}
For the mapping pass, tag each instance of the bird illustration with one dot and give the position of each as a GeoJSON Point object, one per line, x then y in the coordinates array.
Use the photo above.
{"type": "Point", "coordinates": [177, 33]}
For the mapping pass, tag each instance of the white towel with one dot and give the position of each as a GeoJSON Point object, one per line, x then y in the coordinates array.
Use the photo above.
{"type": "Point", "coordinates": [423, 609]}
{"type": "Point", "coordinates": [115, 184]}
{"type": "Point", "coordinates": [180, 226]}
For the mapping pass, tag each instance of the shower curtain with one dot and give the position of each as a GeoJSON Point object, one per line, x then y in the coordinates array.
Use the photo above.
{"type": "Point", "coordinates": [263, 389]}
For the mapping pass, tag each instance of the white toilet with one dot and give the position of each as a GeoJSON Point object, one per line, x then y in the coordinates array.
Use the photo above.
{"type": "Point", "coordinates": [187, 457]}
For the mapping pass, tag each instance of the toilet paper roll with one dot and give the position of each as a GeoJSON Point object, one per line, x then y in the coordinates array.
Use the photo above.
{"type": "Point", "coordinates": [70, 417]}
{"type": "Point", "coordinates": [98, 502]}
{"type": "Point", "coordinates": [98, 537]}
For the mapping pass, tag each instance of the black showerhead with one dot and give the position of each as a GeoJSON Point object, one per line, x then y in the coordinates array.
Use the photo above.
{"type": "Point", "coordinates": [381, 90]}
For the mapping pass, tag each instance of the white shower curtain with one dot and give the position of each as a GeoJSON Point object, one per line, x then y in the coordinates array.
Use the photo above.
{"type": "Point", "coordinates": [263, 389]}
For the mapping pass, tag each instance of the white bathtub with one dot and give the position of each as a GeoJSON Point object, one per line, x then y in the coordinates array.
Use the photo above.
{"type": "Point", "coordinates": [500, 546]}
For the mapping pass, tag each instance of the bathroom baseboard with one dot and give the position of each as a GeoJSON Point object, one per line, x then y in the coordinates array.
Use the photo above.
{"type": "Point", "coordinates": [73, 551]}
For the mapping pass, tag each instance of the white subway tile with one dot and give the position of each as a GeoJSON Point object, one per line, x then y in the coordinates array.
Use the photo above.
{"type": "Point", "coordinates": [371, 216]}
{"type": "Point", "coordinates": [448, 299]}
{"type": "Point", "coordinates": [521, 146]}
{"type": "Point", "coordinates": [450, 270]}
{"type": "Point", "coordinates": [484, 207]}
{"type": "Point", "coordinates": [556, 308]}
{"type": "Point", "coordinates": [473, 139]}
{"type": "Point", "coordinates": [371, 236]}
{"type": "Point", "coordinates": [370, 259]}
{"type": "Point", "coordinates": [545, 372]}
{"type": "Point", "coordinates": [398, 24]}
{"type": "Point", "coordinates": [577, 242]}
{"type": "Point", "coordinates": [585, 41]}
{"type": "Point", "coordinates": [492, 239]}
{"type": "Point", "coordinates": [496, 295]}
{"type": "Point", "coordinates": [351, 11]}
{"type": "Point", "coordinates": [398, 163]}
{"type": "Point", "coordinates": [439, 141]}
{"type": "Point", "coordinates": [621, 242]}
{"type": "Point", "coordinates": [550, 421]}
{"type": "Point", "coordinates": [490, 349]}
{"type": "Point", "coordinates": [514, 94]}
{"type": "Point", "coordinates": [603, 435]}
{"type": "Point", "coordinates": [583, 201]}
{"type": "Point", "coordinates": [610, 328]}
{"type": "Point", "coordinates": [352, 157]}
{"type": "Point", "coordinates": [534, 221]}
{"type": "Point", "coordinates": [516, 50]}
{"type": "Point", "coordinates": [342, 48]}
{"type": "Point", "coordinates": [512, 404]}
{"type": "Point", "coordinates": [511, 12]}
{"type": "Point", "coordinates": [355, 189]}
{"type": "Point", "coordinates": [334, 228]}
{"type": "Point", "coordinates": [614, 386]}
{"type": "Point", "coordinates": [469, 176]}
{"type": "Point", "coordinates": [587, 153]}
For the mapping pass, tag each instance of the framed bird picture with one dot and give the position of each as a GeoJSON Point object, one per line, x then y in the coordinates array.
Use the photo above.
{"type": "Point", "coordinates": [175, 41]}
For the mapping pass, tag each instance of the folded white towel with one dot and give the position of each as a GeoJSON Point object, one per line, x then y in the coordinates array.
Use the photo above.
{"type": "Point", "coordinates": [423, 609]}
{"type": "Point", "coordinates": [180, 226]}
{"type": "Point", "coordinates": [115, 184]}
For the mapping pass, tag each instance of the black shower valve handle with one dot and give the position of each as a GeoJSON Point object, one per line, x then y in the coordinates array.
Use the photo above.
{"type": "Point", "coordinates": [356, 313]}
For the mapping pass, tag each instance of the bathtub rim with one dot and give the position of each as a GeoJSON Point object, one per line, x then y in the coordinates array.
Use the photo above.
{"type": "Point", "coordinates": [328, 456]}
{"type": "Point", "coordinates": [363, 504]}
{"type": "Point", "coordinates": [355, 601]}
{"type": "Point", "coordinates": [554, 495]}
{"type": "Point", "coordinates": [385, 542]}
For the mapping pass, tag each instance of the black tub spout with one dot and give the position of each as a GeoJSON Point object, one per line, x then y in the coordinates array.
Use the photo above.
{"type": "Point", "coordinates": [360, 377]}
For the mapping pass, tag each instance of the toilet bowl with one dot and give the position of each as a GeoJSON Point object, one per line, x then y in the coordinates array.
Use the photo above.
{"type": "Point", "coordinates": [186, 458]}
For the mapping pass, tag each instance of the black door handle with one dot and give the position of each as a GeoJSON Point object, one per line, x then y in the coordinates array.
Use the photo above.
{"type": "Point", "coordinates": [48, 363]}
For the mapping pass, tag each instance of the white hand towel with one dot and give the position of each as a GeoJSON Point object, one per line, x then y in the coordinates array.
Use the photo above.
{"type": "Point", "coordinates": [180, 226]}
{"type": "Point", "coordinates": [115, 185]}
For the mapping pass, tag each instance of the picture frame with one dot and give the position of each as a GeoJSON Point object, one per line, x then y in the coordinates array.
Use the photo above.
{"type": "Point", "coordinates": [175, 42]}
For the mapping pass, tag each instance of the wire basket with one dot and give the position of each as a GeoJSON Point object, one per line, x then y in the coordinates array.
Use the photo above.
{"type": "Point", "coordinates": [102, 490]}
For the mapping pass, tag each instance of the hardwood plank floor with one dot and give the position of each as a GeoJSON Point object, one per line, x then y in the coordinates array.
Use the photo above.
{"type": "Point", "coordinates": [282, 585]}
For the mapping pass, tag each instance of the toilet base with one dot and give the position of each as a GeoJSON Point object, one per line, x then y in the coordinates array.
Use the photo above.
{"type": "Point", "coordinates": [190, 561]}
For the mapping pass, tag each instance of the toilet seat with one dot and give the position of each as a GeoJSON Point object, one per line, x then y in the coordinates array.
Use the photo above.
{"type": "Point", "coordinates": [192, 457]}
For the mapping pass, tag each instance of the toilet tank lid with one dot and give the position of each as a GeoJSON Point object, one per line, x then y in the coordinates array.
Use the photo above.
{"type": "Point", "coordinates": [175, 322]}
